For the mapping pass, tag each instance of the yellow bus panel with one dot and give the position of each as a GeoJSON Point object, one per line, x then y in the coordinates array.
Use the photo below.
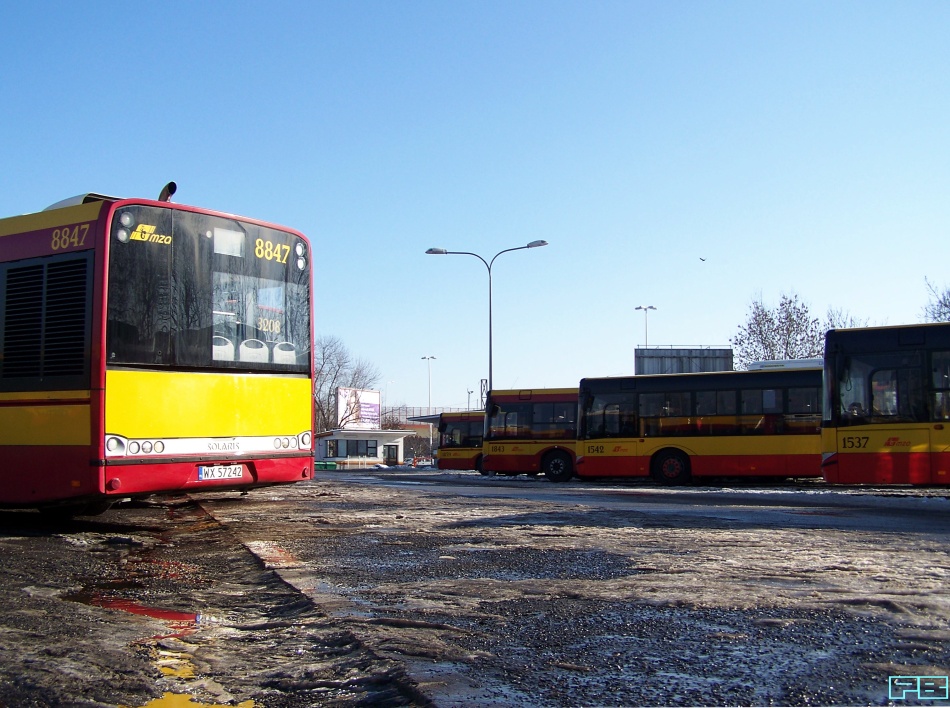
{"type": "Point", "coordinates": [46, 423]}
{"type": "Point", "coordinates": [142, 404]}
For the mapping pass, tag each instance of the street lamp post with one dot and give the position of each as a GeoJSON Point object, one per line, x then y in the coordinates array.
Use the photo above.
{"type": "Point", "coordinates": [646, 311]}
{"type": "Point", "coordinates": [488, 265]}
{"type": "Point", "coordinates": [428, 360]}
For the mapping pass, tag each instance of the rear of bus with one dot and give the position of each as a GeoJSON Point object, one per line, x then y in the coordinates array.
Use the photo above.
{"type": "Point", "coordinates": [887, 405]}
{"type": "Point", "coordinates": [460, 440]}
{"type": "Point", "coordinates": [189, 335]}
{"type": "Point", "coordinates": [531, 431]}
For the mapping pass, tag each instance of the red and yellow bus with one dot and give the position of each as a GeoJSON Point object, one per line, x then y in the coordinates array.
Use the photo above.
{"type": "Point", "coordinates": [460, 440]}
{"type": "Point", "coordinates": [676, 427]}
{"type": "Point", "coordinates": [887, 405]}
{"type": "Point", "coordinates": [531, 431]}
{"type": "Point", "coordinates": [150, 347]}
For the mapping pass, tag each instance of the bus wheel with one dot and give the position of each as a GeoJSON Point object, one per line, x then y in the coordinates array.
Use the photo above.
{"type": "Point", "coordinates": [479, 468]}
{"type": "Point", "coordinates": [671, 467]}
{"type": "Point", "coordinates": [557, 466]}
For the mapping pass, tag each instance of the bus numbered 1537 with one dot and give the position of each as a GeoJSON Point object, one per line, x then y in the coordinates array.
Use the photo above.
{"type": "Point", "coordinates": [887, 405]}
{"type": "Point", "coordinates": [677, 427]}
{"type": "Point", "coordinates": [460, 440]}
{"type": "Point", "coordinates": [531, 431]}
{"type": "Point", "coordinates": [150, 347]}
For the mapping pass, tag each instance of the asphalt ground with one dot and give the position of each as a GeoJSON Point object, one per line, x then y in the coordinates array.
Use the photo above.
{"type": "Point", "coordinates": [397, 588]}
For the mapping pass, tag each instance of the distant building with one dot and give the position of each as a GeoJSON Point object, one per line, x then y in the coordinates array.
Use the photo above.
{"type": "Point", "coordinates": [657, 360]}
{"type": "Point", "coordinates": [358, 440]}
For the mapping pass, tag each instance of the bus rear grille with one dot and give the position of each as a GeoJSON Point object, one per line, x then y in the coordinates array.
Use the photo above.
{"type": "Point", "coordinates": [44, 323]}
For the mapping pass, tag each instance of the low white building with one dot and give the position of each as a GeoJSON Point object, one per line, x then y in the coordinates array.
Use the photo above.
{"type": "Point", "coordinates": [358, 440]}
{"type": "Point", "coordinates": [343, 448]}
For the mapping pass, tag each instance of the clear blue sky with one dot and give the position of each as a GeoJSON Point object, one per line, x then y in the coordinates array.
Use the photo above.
{"type": "Point", "coordinates": [799, 147]}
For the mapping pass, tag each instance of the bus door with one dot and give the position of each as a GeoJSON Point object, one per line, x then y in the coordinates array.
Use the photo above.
{"type": "Point", "coordinates": [613, 447]}
{"type": "Point", "coordinates": [940, 457]}
{"type": "Point", "coordinates": [888, 439]}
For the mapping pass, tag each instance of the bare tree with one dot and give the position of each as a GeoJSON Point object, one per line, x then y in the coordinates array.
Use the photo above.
{"type": "Point", "coordinates": [841, 319]}
{"type": "Point", "coordinates": [335, 366]}
{"type": "Point", "coordinates": [938, 309]}
{"type": "Point", "coordinates": [392, 421]}
{"type": "Point", "coordinates": [786, 332]}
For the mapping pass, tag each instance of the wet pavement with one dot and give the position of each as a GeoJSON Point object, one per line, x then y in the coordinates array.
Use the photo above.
{"type": "Point", "coordinates": [458, 590]}
{"type": "Point", "coordinates": [156, 604]}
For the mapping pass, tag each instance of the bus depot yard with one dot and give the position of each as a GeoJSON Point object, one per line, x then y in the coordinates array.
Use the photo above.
{"type": "Point", "coordinates": [397, 587]}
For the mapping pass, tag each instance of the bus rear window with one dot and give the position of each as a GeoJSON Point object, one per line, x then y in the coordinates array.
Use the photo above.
{"type": "Point", "coordinates": [196, 291]}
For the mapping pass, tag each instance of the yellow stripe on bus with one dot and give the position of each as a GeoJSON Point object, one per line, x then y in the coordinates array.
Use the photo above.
{"type": "Point", "coordinates": [49, 219]}
{"type": "Point", "coordinates": [21, 396]}
{"type": "Point", "coordinates": [144, 404]}
{"type": "Point", "coordinates": [45, 424]}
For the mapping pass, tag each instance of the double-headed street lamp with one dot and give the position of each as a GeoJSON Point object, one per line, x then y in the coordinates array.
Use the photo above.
{"type": "Point", "coordinates": [646, 311]}
{"type": "Point", "coordinates": [488, 265]}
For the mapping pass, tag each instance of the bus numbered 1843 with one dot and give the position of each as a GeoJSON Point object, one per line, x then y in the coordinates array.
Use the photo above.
{"type": "Point", "coordinates": [460, 440]}
{"type": "Point", "coordinates": [676, 427]}
{"type": "Point", "coordinates": [150, 347]}
{"type": "Point", "coordinates": [887, 405]}
{"type": "Point", "coordinates": [531, 431]}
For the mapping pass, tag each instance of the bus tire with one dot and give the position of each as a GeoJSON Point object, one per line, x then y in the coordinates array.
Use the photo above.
{"type": "Point", "coordinates": [671, 467]}
{"type": "Point", "coordinates": [478, 466]}
{"type": "Point", "coordinates": [557, 466]}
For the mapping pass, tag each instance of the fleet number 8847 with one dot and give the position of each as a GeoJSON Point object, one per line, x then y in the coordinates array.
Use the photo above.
{"type": "Point", "coordinates": [269, 251]}
{"type": "Point", "coordinates": [69, 237]}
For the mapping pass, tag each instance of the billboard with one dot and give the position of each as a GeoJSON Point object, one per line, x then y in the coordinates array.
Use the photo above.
{"type": "Point", "coordinates": [357, 409]}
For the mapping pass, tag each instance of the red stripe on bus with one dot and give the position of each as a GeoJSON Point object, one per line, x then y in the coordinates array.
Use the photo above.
{"type": "Point", "coordinates": [708, 466]}
{"type": "Point", "coordinates": [890, 468]}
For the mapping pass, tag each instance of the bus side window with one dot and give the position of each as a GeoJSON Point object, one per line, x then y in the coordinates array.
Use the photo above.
{"type": "Point", "coordinates": [941, 385]}
{"type": "Point", "coordinates": [628, 420]}
{"type": "Point", "coordinates": [941, 407]}
{"type": "Point", "coordinates": [884, 392]}
{"type": "Point", "coordinates": [609, 424]}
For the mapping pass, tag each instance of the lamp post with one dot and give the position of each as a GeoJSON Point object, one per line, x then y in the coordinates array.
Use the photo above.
{"type": "Point", "coordinates": [646, 311]}
{"type": "Point", "coordinates": [382, 405]}
{"type": "Point", "coordinates": [488, 265]}
{"type": "Point", "coordinates": [428, 360]}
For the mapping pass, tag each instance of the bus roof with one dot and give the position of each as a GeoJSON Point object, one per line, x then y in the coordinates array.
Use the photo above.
{"type": "Point", "coordinates": [528, 394]}
{"type": "Point", "coordinates": [892, 337]}
{"type": "Point", "coordinates": [81, 199]}
{"type": "Point", "coordinates": [786, 364]}
{"type": "Point", "coordinates": [704, 379]}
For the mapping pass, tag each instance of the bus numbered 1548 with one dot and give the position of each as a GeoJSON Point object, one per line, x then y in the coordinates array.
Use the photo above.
{"type": "Point", "coordinates": [677, 427]}
{"type": "Point", "coordinates": [150, 347]}
{"type": "Point", "coordinates": [531, 431]}
{"type": "Point", "coordinates": [887, 405]}
{"type": "Point", "coordinates": [460, 440]}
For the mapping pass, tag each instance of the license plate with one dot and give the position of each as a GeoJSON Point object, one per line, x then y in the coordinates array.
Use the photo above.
{"type": "Point", "coordinates": [220, 472]}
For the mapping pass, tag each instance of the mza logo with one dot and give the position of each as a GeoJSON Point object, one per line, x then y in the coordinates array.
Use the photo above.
{"type": "Point", "coordinates": [920, 688]}
{"type": "Point", "coordinates": [145, 232]}
{"type": "Point", "coordinates": [896, 442]}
